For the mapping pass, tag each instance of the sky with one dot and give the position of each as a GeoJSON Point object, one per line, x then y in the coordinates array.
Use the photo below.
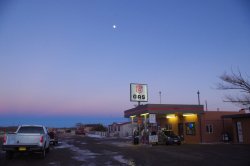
{"type": "Point", "coordinates": [66, 61]}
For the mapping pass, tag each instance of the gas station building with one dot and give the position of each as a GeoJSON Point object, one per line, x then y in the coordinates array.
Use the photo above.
{"type": "Point", "coordinates": [183, 120]}
{"type": "Point", "coordinates": [190, 122]}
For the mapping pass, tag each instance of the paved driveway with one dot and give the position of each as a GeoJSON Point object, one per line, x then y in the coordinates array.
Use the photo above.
{"type": "Point", "coordinates": [78, 150]}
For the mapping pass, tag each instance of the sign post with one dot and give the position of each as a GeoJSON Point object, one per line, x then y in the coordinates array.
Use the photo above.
{"type": "Point", "coordinates": [139, 93]}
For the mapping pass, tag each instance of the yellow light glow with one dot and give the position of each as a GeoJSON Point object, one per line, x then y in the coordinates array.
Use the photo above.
{"type": "Point", "coordinates": [189, 114]}
{"type": "Point", "coordinates": [170, 116]}
{"type": "Point", "coordinates": [133, 116]}
{"type": "Point", "coordinates": [144, 114]}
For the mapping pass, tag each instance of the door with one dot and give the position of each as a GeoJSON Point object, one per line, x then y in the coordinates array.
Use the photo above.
{"type": "Point", "coordinates": [181, 130]}
{"type": "Point", "coordinates": [239, 132]}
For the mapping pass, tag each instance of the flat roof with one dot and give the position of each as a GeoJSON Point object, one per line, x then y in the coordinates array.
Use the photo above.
{"type": "Point", "coordinates": [247, 115]}
{"type": "Point", "coordinates": [164, 109]}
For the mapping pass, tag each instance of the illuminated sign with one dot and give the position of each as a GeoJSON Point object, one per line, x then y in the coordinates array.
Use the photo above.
{"type": "Point", "coordinates": [152, 118]}
{"type": "Point", "coordinates": [138, 92]}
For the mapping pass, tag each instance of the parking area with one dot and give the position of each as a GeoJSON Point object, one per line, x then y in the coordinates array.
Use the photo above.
{"type": "Point", "coordinates": [82, 150]}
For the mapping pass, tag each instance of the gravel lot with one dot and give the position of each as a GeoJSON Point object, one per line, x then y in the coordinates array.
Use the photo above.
{"type": "Point", "coordinates": [80, 150]}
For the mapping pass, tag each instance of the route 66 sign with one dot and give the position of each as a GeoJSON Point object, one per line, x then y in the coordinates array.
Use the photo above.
{"type": "Point", "coordinates": [138, 92]}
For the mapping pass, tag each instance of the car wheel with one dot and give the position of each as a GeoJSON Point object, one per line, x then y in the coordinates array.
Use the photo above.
{"type": "Point", "coordinates": [9, 155]}
{"type": "Point", "coordinates": [48, 149]}
{"type": "Point", "coordinates": [43, 153]}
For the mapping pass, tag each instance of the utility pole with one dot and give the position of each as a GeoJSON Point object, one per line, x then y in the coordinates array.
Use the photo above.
{"type": "Point", "coordinates": [198, 93]}
{"type": "Point", "coordinates": [160, 96]}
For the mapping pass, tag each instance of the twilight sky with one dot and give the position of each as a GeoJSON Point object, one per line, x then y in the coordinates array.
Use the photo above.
{"type": "Point", "coordinates": [64, 58]}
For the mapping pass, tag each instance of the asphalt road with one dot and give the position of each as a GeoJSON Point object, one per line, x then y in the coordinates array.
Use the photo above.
{"type": "Point", "coordinates": [81, 151]}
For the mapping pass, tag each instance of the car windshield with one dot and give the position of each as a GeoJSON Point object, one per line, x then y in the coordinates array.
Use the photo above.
{"type": "Point", "coordinates": [31, 129]}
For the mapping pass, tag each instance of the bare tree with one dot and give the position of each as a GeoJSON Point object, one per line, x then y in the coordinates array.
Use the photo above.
{"type": "Point", "coordinates": [235, 81]}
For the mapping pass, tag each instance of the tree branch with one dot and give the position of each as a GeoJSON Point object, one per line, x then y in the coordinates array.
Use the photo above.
{"type": "Point", "coordinates": [235, 81]}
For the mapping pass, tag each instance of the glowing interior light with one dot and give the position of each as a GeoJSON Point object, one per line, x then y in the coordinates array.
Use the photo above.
{"type": "Point", "coordinates": [189, 114]}
{"type": "Point", "coordinates": [170, 116]}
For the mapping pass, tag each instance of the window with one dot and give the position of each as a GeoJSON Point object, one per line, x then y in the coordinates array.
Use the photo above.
{"type": "Point", "coordinates": [169, 126]}
{"type": "Point", "coordinates": [190, 128]}
{"type": "Point", "coordinates": [31, 129]}
{"type": "Point", "coordinates": [209, 128]}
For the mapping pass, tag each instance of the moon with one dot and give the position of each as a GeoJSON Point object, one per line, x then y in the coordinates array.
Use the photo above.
{"type": "Point", "coordinates": [114, 26]}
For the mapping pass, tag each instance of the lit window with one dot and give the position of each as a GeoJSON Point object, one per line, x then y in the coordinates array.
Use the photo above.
{"type": "Point", "coordinates": [190, 128]}
{"type": "Point", "coordinates": [209, 128]}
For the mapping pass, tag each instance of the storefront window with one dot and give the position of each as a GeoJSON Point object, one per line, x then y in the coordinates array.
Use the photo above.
{"type": "Point", "coordinates": [190, 128]}
{"type": "Point", "coordinates": [209, 128]}
{"type": "Point", "coordinates": [169, 126]}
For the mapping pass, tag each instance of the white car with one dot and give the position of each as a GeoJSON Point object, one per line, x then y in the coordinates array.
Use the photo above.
{"type": "Point", "coordinates": [27, 138]}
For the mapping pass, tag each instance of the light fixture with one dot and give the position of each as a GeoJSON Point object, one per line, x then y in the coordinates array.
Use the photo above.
{"type": "Point", "coordinates": [189, 114]}
{"type": "Point", "coordinates": [144, 114]}
{"type": "Point", "coordinates": [133, 116]}
{"type": "Point", "coordinates": [170, 116]}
